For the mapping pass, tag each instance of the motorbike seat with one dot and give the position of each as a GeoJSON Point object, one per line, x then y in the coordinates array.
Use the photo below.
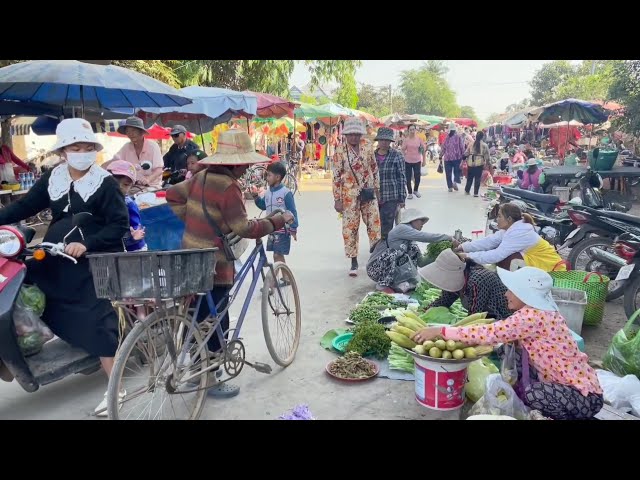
{"type": "Point", "coordinates": [546, 203]}
{"type": "Point", "coordinates": [625, 217]}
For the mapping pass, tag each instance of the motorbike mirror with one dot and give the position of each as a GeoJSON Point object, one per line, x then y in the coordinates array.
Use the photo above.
{"type": "Point", "coordinates": [81, 219]}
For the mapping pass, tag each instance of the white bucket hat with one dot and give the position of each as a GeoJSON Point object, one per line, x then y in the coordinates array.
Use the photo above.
{"type": "Point", "coordinates": [453, 127]}
{"type": "Point", "coordinates": [75, 130]}
{"type": "Point", "coordinates": [446, 273]}
{"type": "Point", "coordinates": [531, 162]}
{"type": "Point", "coordinates": [353, 125]}
{"type": "Point", "coordinates": [531, 285]}
{"type": "Point", "coordinates": [408, 215]}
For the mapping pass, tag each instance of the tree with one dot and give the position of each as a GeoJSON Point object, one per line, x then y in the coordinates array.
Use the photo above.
{"type": "Point", "coordinates": [468, 112]}
{"type": "Point", "coordinates": [437, 67]}
{"type": "Point", "coordinates": [374, 100]}
{"type": "Point", "coordinates": [308, 99]}
{"type": "Point", "coordinates": [494, 118]}
{"type": "Point", "coordinates": [625, 89]}
{"type": "Point", "coordinates": [347, 94]}
{"type": "Point", "coordinates": [546, 81]}
{"type": "Point", "coordinates": [587, 85]}
{"type": "Point", "coordinates": [428, 93]}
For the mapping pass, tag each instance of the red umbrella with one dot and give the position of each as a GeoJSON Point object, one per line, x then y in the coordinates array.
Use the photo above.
{"type": "Point", "coordinates": [155, 133]}
{"type": "Point", "coordinates": [466, 122]}
{"type": "Point", "coordinates": [270, 106]}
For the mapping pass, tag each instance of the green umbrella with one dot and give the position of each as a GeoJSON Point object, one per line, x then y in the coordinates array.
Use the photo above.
{"type": "Point", "coordinates": [432, 119]}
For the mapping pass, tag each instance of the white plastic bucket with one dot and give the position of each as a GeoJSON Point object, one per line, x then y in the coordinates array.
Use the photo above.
{"type": "Point", "coordinates": [571, 305]}
{"type": "Point", "coordinates": [440, 386]}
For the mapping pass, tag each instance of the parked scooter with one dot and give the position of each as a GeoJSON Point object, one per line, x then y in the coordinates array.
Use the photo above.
{"type": "Point", "coordinates": [433, 151]}
{"type": "Point", "coordinates": [57, 359]}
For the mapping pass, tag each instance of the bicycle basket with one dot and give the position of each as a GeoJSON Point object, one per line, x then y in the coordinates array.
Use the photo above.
{"type": "Point", "coordinates": [595, 285]}
{"type": "Point", "coordinates": [159, 275]}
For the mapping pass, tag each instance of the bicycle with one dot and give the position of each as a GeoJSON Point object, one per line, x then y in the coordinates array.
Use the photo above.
{"type": "Point", "coordinates": [172, 344]}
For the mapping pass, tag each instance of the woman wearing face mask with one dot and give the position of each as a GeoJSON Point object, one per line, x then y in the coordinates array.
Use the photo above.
{"type": "Point", "coordinates": [73, 312]}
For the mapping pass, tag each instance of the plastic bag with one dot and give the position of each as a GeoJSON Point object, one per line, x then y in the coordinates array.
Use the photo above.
{"type": "Point", "coordinates": [623, 355]}
{"type": "Point", "coordinates": [26, 319]}
{"type": "Point", "coordinates": [508, 368]}
{"type": "Point", "coordinates": [424, 171]}
{"type": "Point", "coordinates": [406, 274]}
{"type": "Point", "coordinates": [33, 298]}
{"type": "Point", "coordinates": [500, 399]}
{"type": "Point", "coordinates": [622, 393]}
{"type": "Point", "coordinates": [477, 374]}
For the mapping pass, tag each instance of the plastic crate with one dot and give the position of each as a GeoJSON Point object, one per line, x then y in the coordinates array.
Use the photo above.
{"type": "Point", "coordinates": [163, 229]}
{"type": "Point", "coordinates": [156, 275]}
{"type": "Point", "coordinates": [571, 304]}
{"type": "Point", "coordinates": [605, 161]}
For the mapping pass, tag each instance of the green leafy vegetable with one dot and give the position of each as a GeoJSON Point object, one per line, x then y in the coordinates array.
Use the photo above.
{"type": "Point", "coordinates": [400, 360]}
{"type": "Point", "coordinates": [33, 298]}
{"type": "Point", "coordinates": [440, 315]}
{"type": "Point", "coordinates": [379, 299]}
{"type": "Point", "coordinates": [369, 338]}
{"type": "Point", "coordinates": [363, 313]}
{"type": "Point", "coordinates": [436, 248]}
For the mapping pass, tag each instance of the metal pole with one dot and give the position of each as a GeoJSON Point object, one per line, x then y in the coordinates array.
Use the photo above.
{"type": "Point", "coordinates": [204, 148]}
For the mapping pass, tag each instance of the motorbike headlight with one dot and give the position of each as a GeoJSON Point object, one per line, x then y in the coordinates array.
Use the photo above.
{"type": "Point", "coordinates": [11, 242]}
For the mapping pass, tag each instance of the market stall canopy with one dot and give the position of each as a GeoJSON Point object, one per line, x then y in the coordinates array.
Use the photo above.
{"type": "Point", "coordinates": [518, 119]}
{"type": "Point", "coordinates": [402, 120]}
{"type": "Point", "coordinates": [278, 126]}
{"type": "Point", "coordinates": [44, 125]}
{"type": "Point", "coordinates": [270, 106]}
{"type": "Point", "coordinates": [466, 122]}
{"type": "Point", "coordinates": [70, 83]}
{"type": "Point", "coordinates": [156, 132]}
{"type": "Point", "coordinates": [326, 114]}
{"type": "Point", "coordinates": [572, 123]}
{"type": "Point", "coordinates": [432, 119]}
{"type": "Point", "coordinates": [364, 115]}
{"type": "Point", "coordinates": [567, 110]}
{"type": "Point", "coordinates": [211, 106]}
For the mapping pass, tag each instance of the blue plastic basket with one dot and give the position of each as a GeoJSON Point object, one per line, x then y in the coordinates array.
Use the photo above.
{"type": "Point", "coordinates": [163, 229]}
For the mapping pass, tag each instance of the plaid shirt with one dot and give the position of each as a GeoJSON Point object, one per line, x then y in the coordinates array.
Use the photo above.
{"type": "Point", "coordinates": [393, 183]}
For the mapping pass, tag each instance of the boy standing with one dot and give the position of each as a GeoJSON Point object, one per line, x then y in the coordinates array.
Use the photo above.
{"type": "Point", "coordinates": [278, 197]}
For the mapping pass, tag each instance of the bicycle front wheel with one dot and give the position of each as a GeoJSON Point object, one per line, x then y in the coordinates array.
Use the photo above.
{"type": "Point", "coordinates": [281, 316]}
{"type": "Point", "coordinates": [151, 380]}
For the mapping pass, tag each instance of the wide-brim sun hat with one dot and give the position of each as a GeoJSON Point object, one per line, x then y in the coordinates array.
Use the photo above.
{"type": "Point", "coordinates": [531, 285]}
{"type": "Point", "coordinates": [446, 272]}
{"type": "Point", "coordinates": [385, 133]}
{"type": "Point", "coordinates": [124, 168]}
{"type": "Point", "coordinates": [75, 130]}
{"type": "Point", "coordinates": [134, 122]}
{"type": "Point", "coordinates": [234, 148]}
{"type": "Point", "coordinates": [531, 162]}
{"type": "Point", "coordinates": [408, 215]}
{"type": "Point", "coordinates": [354, 126]}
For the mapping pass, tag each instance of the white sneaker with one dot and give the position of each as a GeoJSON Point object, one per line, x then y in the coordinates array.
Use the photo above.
{"type": "Point", "coordinates": [418, 195]}
{"type": "Point", "coordinates": [101, 409]}
{"type": "Point", "coordinates": [410, 197]}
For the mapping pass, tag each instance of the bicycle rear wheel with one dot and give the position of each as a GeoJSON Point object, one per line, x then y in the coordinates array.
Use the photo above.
{"type": "Point", "coordinates": [281, 316]}
{"type": "Point", "coordinates": [291, 183]}
{"type": "Point", "coordinates": [153, 385]}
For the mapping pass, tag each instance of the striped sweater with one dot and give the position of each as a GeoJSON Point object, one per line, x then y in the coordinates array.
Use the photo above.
{"type": "Point", "coordinates": [225, 204]}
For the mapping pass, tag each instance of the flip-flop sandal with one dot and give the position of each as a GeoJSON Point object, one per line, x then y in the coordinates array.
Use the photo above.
{"type": "Point", "coordinates": [224, 391]}
{"type": "Point", "coordinates": [353, 273]}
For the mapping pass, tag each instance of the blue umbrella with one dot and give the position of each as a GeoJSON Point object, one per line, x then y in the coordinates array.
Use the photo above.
{"type": "Point", "coordinates": [210, 107]}
{"type": "Point", "coordinates": [70, 83]}
{"type": "Point", "coordinates": [570, 109]}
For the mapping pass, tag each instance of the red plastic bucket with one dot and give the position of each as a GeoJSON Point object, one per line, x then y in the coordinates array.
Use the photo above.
{"type": "Point", "coordinates": [440, 386]}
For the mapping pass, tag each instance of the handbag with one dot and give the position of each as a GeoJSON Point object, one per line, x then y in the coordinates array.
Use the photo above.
{"type": "Point", "coordinates": [440, 167]}
{"type": "Point", "coordinates": [367, 194]}
{"type": "Point", "coordinates": [233, 246]}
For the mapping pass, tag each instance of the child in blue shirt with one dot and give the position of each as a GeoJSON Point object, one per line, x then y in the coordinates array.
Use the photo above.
{"type": "Point", "coordinates": [278, 197]}
{"type": "Point", "coordinates": [125, 174]}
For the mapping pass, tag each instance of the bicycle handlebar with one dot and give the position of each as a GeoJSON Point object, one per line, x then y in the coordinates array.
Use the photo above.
{"type": "Point", "coordinates": [55, 249]}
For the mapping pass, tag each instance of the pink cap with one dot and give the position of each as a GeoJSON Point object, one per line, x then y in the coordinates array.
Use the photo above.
{"type": "Point", "coordinates": [122, 167]}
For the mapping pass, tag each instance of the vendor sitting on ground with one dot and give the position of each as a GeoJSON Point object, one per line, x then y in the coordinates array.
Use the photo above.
{"type": "Point", "coordinates": [516, 240]}
{"type": "Point", "coordinates": [531, 177]}
{"type": "Point", "coordinates": [382, 266]}
{"type": "Point", "coordinates": [554, 377]}
{"type": "Point", "coordinates": [479, 289]}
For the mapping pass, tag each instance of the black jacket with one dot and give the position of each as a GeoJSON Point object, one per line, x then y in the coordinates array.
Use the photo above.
{"type": "Point", "coordinates": [176, 157]}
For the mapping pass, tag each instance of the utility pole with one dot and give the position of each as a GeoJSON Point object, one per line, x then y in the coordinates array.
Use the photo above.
{"type": "Point", "coordinates": [390, 99]}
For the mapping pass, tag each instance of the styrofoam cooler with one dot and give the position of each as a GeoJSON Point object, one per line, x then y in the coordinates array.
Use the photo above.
{"type": "Point", "coordinates": [440, 386]}
{"type": "Point", "coordinates": [571, 304]}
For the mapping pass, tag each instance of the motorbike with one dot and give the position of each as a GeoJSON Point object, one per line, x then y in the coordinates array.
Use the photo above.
{"type": "Point", "coordinates": [625, 259]}
{"type": "Point", "coordinates": [57, 359]}
{"type": "Point", "coordinates": [172, 178]}
{"type": "Point", "coordinates": [598, 229]}
{"type": "Point", "coordinates": [433, 151]}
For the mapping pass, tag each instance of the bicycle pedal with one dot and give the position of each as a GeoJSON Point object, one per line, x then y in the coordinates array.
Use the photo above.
{"type": "Point", "coordinates": [260, 367]}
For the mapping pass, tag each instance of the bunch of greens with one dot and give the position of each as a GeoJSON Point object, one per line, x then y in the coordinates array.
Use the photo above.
{"type": "Point", "coordinates": [436, 248]}
{"type": "Point", "coordinates": [399, 359]}
{"type": "Point", "coordinates": [369, 338]}
{"type": "Point", "coordinates": [363, 313]}
{"type": "Point", "coordinates": [379, 299]}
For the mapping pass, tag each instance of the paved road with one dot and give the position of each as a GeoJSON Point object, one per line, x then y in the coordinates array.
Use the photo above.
{"type": "Point", "coordinates": [327, 295]}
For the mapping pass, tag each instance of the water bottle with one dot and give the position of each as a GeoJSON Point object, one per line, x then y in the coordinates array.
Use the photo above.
{"type": "Point", "coordinates": [457, 235]}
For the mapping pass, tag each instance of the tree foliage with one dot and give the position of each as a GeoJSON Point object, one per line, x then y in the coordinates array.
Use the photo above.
{"type": "Point", "coordinates": [427, 92]}
{"type": "Point", "coordinates": [468, 112]}
{"type": "Point", "coordinates": [625, 89]}
{"type": "Point", "coordinates": [546, 81]}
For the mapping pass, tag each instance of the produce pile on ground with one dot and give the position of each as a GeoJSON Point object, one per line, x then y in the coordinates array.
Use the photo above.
{"type": "Point", "coordinates": [372, 307]}
{"type": "Point", "coordinates": [427, 294]}
{"type": "Point", "coordinates": [402, 331]}
{"type": "Point", "coordinates": [352, 366]}
{"type": "Point", "coordinates": [369, 339]}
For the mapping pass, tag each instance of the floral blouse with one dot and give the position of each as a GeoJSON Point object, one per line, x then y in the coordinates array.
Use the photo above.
{"type": "Point", "coordinates": [548, 341]}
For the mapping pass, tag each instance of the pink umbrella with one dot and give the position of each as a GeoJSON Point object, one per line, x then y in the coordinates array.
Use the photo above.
{"type": "Point", "coordinates": [270, 106]}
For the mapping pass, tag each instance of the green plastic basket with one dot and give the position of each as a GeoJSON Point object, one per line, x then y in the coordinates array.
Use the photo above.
{"type": "Point", "coordinates": [605, 160]}
{"type": "Point", "coordinates": [594, 284]}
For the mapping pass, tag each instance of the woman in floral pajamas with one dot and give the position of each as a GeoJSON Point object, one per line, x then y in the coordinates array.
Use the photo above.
{"type": "Point", "coordinates": [356, 190]}
{"type": "Point", "coordinates": [554, 377]}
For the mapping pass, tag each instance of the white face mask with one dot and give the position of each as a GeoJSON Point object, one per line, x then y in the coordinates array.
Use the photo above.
{"type": "Point", "coordinates": [82, 160]}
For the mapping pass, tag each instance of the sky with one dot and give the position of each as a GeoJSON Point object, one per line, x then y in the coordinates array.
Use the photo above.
{"type": "Point", "coordinates": [489, 86]}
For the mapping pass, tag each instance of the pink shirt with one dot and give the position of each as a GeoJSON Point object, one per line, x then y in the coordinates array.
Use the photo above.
{"type": "Point", "coordinates": [150, 152]}
{"type": "Point", "coordinates": [411, 149]}
{"type": "Point", "coordinates": [545, 336]}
